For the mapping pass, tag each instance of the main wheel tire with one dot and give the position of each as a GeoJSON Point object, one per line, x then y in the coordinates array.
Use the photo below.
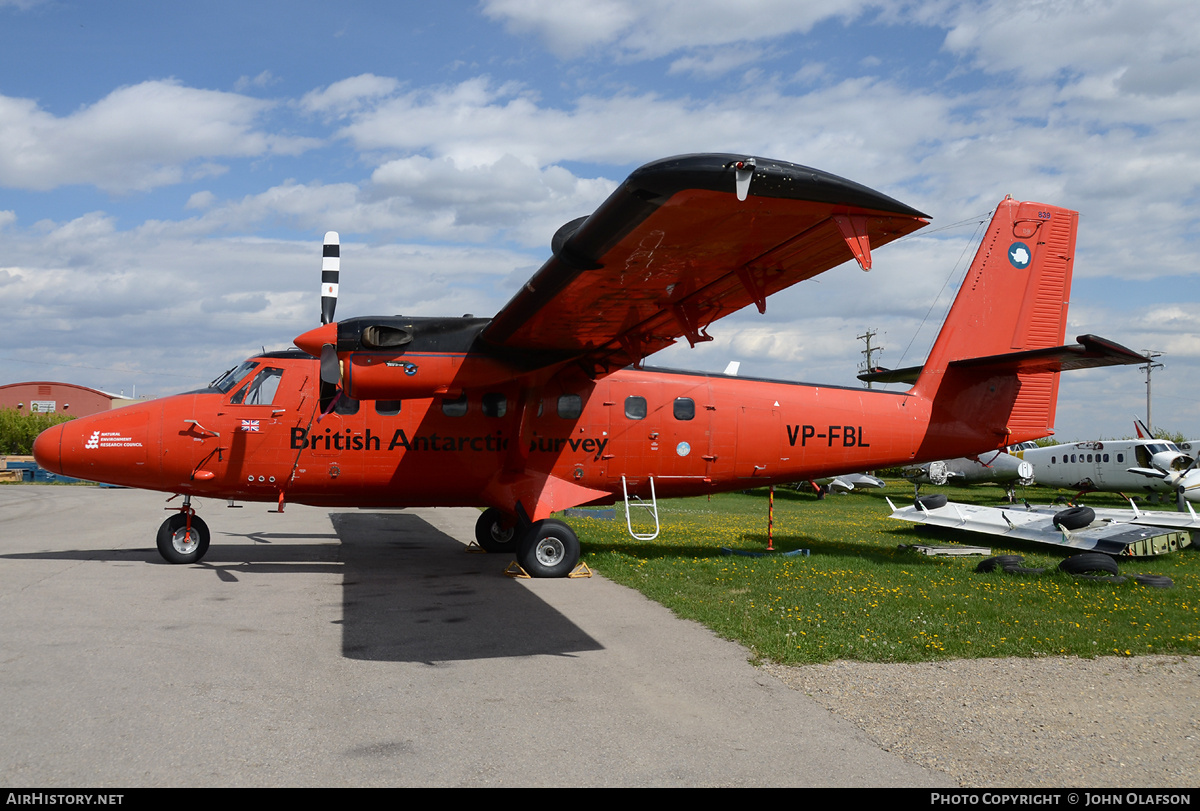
{"type": "Point", "coordinates": [1089, 562]}
{"type": "Point", "coordinates": [490, 532]}
{"type": "Point", "coordinates": [1074, 518]}
{"type": "Point", "coordinates": [549, 549]}
{"type": "Point", "coordinates": [177, 545]}
{"type": "Point", "coordinates": [1158, 581]}
{"type": "Point", "coordinates": [1004, 562]}
{"type": "Point", "coordinates": [931, 502]}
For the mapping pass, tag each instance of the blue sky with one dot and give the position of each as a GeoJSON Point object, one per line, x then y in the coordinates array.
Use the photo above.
{"type": "Point", "coordinates": [167, 171]}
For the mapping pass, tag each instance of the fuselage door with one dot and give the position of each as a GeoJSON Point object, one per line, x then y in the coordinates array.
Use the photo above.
{"type": "Point", "coordinates": [254, 423]}
{"type": "Point", "coordinates": [759, 441]}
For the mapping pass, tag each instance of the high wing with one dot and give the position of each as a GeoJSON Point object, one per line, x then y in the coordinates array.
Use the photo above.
{"type": "Point", "coordinates": [1114, 532]}
{"type": "Point", "coordinates": [685, 241]}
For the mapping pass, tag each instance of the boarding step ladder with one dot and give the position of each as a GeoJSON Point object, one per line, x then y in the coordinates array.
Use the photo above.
{"type": "Point", "coordinates": [651, 507]}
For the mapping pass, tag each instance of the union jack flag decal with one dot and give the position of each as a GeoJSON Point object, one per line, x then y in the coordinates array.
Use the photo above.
{"type": "Point", "coordinates": [249, 425]}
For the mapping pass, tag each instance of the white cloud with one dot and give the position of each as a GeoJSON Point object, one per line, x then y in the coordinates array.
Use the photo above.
{"type": "Point", "coordinates": [1042, 40]}
{"type": "Point", "coordinates": [136, 138]}
{"type": "Point", "coordinates": [478, 122]}
{"type": "Point", "coordinates": [264, 79]}
{"type": "Point", "coordinates": [646, 30]}
{"type": "Point", "coordinates": [712, 62]}
{"type": "Point", "coordinates": [200, 200]}
{"type": "Point", "coordinates": [348, 95]}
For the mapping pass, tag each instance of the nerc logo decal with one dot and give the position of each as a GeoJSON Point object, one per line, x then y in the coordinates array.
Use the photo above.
{"type": "Point", "coordinates": [110, 439]}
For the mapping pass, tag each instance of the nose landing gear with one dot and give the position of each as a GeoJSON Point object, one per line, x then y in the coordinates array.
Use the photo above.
{"type": "Point", "coordinates": [183, 538]}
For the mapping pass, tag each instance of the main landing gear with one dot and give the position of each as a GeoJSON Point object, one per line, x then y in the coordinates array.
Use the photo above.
{"type": "Point", "coordinates": [547, 548]}
{"type": "Point", "coordinates": [183, 538]}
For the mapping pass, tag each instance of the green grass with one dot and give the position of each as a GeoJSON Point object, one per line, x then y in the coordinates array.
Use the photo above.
{"type": "Point", "coordinates": [858, 597]}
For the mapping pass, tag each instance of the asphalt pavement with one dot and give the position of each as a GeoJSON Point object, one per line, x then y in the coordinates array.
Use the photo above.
{"type": "Point", "coordinates": [327, 647]}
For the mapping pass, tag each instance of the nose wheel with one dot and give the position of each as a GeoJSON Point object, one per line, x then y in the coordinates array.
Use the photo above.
{"type": "Point", "coordinates": [183, 538]}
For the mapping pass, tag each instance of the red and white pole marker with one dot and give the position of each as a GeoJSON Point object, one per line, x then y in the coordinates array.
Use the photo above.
{"type": "Point", "coordinates": [770, 518]}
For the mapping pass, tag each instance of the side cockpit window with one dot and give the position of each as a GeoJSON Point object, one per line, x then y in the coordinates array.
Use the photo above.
{"type": "Point", "coordinates": [226, 382]}
{"type": "Point", "coordinates": [261, 390]}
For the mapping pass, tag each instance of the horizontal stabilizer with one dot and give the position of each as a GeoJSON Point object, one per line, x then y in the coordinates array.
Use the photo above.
{"type": "Point", "coordinates": [1090, 351]}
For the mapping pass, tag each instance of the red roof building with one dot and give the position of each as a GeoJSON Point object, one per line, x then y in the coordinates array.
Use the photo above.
{"type": "Point", "coordinates": [58, 398]}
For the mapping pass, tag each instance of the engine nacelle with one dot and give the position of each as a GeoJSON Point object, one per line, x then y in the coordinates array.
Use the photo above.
{"type": "Point", "coordinates": [404, 375]}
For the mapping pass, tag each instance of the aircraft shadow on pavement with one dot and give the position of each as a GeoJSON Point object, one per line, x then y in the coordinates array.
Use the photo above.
{"type": "Point", "coordinates": [413, 594]}
{"type": "Point", "coordinates": [410, 592]}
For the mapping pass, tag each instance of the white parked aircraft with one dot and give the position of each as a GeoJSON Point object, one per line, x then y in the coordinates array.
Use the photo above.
{"type": "Point", "coordinates": [1117, 466]}
{"type": "Point", "coordinates": [996, 466]}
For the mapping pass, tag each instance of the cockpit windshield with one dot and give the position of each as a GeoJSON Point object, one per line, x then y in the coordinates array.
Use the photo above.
{"type": "Point", "coordinates": [231, 378]}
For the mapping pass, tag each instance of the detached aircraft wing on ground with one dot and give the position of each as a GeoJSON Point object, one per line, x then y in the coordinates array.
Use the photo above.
{"type": "Point", "coordinates": [1125, 533]}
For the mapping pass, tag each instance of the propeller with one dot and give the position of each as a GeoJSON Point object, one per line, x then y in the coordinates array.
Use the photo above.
{"type": "Point", "coordinates": [1189, 479]}
{"type": "Point", "coordinates": [331, 265]}
{"type": "Point", "coordinates": [1180, 471]}
{"type": "Point", "coordinates": [322, 341]}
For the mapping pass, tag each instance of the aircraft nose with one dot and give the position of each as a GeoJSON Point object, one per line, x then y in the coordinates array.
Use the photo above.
{"type": "Point", "coordinates": [47, 449]}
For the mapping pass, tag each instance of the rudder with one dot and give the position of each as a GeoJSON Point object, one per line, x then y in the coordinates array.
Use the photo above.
{"type": "Point", "coordinates": [1016, 293]}
{"type": "Point", "coordinates": [1013, 299]}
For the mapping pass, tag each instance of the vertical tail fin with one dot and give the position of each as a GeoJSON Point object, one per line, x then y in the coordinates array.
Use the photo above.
{"type": "Point", "coordinates": [1013, 299]}
{"type": "Point", "coordinates": [1015, 296]}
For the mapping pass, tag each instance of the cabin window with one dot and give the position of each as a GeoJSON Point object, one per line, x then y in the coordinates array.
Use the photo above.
{"type": "Point", "coordinates": [494, 405]}
{"type": "Point", "coordinates": [345, 406]}
{"type": "Point", "coordinates": [456, 407]}
{"type": "Point", "coordinates": [1089, 457]}
{"type": "Point", "coordinates": [635, 407]}
{"type": "Point", "coordinates": [684, 408]}
{"type": "Point", "coordinates": [1120, 457]}
{"type": "Point", "coordinates": [1106, 457]}
{"type": "Point", "coordinates": [570, 406]}
{"type": "Point", "coordinates": [1053, 460]}
{"type": "Point", "coordinates": [261, 390]}
{"type": "Point", "coordinates": [387, 408]}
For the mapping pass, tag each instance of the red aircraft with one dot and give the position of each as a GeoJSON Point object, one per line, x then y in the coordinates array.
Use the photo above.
{"type": "Point", "coordinates": [546, 405]}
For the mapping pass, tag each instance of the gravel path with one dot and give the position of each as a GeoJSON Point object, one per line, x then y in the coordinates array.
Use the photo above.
{"type": "Point", "coordinates": [1038, 723]}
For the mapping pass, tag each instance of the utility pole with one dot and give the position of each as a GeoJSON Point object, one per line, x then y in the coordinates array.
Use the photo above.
{"type": "Point", "coordinates": [870, 352]}
{"type": "Point", "coordinates": [1148, 368]}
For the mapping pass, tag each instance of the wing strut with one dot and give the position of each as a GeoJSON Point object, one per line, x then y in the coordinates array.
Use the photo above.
{"type": "Point", "coordinates": [752, 286]}
{"type": "Point", "coordinates": [854, 231]}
